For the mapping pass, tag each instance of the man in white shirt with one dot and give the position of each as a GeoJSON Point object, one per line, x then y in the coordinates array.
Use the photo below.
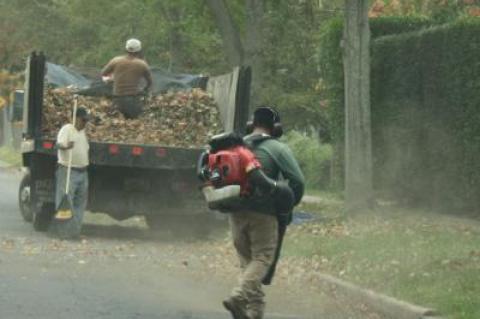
{"type": "Point", "coordinates": [72, 139]}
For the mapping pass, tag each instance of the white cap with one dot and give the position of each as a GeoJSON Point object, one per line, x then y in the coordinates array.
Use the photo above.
{"type": "Point", "coordinates": [133, 46]}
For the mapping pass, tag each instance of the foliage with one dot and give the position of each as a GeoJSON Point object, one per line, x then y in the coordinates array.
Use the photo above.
{"type": "Point", "coordinates": [331, 64]}
{"type": "Point", "coordinates": [330, 61]}
{"type": "Point", "coordinates": [331, 71]}
{"type": "Point", "coordinates": [291, 65]}
{"type": "Point", "coordinates": [179, 36]}
{"type": "Point", "coordinates": [425, 116]}
{"type": "Point", "coordinates": [424, 98]}
{"type": "Point", "coordinates": [10, 156]}
{"type": "Point", "coordinates": [383, 26]}
{"type": "Point", "coordinates": [314, 159]}
{"type": "Point", "coordinates": [438, 10]}
{"type": "Point", "coordinates": [9, 82]}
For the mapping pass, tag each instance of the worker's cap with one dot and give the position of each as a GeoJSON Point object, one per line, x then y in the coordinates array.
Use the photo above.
{"type": "Point", "coordinates": [133, 46]}
{"type": "Point", "coordinates": [83, 113]}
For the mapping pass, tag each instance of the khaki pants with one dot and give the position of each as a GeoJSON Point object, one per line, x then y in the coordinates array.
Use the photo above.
{"type": "Point", "coordinates": [255, 239]}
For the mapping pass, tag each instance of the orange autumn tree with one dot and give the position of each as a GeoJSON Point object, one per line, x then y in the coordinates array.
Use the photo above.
{"type": "Point", "coordinates": [437, 8]}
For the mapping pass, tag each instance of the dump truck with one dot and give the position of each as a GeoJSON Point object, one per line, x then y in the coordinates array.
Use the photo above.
{"type": "Point", "coordinates": [125, 180]}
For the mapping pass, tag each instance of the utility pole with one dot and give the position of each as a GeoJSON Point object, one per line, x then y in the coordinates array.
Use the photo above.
{"type": "Point", "coordinates": [358, 144]}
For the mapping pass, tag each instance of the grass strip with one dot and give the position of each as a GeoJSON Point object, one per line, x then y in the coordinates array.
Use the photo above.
{"type": "Point", "coordinates": [424, 258]}
{"type": "Point", "coordinates": [10, 156]}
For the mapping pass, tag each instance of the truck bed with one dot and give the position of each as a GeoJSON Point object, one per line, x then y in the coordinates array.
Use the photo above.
{"type": "Point", "coordinates": [230, 91]}
{"type": "Point", "coordinates": [132, 155]}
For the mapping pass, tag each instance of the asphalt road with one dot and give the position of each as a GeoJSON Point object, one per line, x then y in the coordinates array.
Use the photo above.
{"type": "Point", "coordinates": [109, 276]}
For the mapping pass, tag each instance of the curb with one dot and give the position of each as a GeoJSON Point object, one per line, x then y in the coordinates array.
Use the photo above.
{"type": "Point", "coordinates": [309, 199]}
{"type": "Point", "coordinates": [385, 305]}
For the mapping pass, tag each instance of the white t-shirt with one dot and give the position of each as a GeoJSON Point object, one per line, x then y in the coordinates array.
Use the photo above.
{"type": "Point", "coordinates": [68, 133]}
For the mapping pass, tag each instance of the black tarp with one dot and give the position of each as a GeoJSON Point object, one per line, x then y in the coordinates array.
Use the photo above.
{"type": "Point", "coordinates": [61, 76]}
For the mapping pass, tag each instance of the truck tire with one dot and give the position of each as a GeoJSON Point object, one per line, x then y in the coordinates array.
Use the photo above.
{"type": "Point", "coordinates": [43, 217]}
{"type": "Point", "coordinates": [24, 202]}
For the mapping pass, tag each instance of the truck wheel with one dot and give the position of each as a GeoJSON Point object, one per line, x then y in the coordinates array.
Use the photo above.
{"type": "Point", "coordinates": [24, 201]}
{"type": "Point", "coordinates": [43, 217]}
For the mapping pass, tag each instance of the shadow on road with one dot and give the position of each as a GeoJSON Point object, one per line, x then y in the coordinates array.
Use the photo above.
{"type": "Point", "coordinates": [172, 234]}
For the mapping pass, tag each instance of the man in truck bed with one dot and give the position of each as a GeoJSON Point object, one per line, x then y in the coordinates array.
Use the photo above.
{"type": "Point", "coordinates": [128, 71]}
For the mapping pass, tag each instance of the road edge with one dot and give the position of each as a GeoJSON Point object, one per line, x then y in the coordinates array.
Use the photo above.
{"type": "Point", "coordinates": [385, 305]}
{"type": "Point", "coordinates": [5, 165]}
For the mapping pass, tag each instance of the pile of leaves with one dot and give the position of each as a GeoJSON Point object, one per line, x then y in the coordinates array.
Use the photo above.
{"type": "Point", "coordinates": [181, 119]}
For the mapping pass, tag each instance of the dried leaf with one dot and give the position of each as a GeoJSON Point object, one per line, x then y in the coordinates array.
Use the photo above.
{"type": "Point", "coordinates": [181, 119]}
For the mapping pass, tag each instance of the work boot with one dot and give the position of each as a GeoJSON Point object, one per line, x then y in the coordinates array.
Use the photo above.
{"type": "Point", "coordinates": [256, 310]}
{"type": "Point", "coordinates": [236, 307]}
{"type": "Point", "coordinates": [254, 315]}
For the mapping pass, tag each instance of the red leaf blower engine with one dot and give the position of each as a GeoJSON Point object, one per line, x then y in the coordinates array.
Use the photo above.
{"type": "Point", "coordinates": [224, 170]}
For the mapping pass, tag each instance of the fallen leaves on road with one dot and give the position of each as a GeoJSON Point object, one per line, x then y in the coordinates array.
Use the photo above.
{"type": "Point", "coordinates": [7, 244]}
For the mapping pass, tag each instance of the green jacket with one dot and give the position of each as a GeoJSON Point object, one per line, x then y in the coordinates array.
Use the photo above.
{"type": "Point", "coordinates": [277, 162]}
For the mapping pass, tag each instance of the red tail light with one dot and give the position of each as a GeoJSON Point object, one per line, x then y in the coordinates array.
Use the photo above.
{"type": "Point", "coordinates": [47, 145]}
{"type": "Point", "coordinates": [113, 149]}
{"type": "Point", "coordinates": [161, 152]}
{"type": "Point", "coordinates": [137, 151]}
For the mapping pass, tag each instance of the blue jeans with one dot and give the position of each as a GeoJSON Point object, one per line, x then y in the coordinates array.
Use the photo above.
{"type": "Point", "coordinates": [78, 194]}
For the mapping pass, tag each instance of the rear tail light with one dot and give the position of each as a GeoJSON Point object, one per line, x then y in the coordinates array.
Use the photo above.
{"type": "Point", "coordinates": [137, 151]}
{"type": "Point", "coordinates": [47, 145]}
{"type": "Point", "coordinates": [113, 149]}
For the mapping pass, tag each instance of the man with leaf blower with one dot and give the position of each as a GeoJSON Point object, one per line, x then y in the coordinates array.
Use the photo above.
{"type": "Point", "coordinates": [259, 182]}
{"type": "Point", "coordinates": [73, 160]}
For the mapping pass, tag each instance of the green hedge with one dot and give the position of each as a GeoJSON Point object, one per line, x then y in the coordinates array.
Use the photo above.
{"type": "Point", "coordinates": [426, 116]}
{"type": "Point", "coordinates": [331, 64]}
{"type": "Point", "coordinates": [331, 68]}
{"type": "Point", "coordinates": [313, 157]}
{"type": "Point", "coordinates": [425, 109]}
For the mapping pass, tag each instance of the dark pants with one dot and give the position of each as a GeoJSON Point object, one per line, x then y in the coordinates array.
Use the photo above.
{"type": "Point", "coordinates": [131, 106]}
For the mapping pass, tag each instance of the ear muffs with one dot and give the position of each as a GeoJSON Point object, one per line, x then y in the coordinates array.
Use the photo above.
{"type": "Point", "coordinates": [277, 131]}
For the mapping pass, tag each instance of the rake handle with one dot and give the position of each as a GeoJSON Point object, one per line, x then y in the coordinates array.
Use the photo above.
{"type": "Point", "coordinates": [70, 151]}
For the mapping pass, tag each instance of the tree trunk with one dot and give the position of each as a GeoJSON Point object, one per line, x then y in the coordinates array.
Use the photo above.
{"type": "Point", "coordinates": [251, 53]}
{"type": "Point", "coordinates": [358, 148]}
{"type": "Point", "coordinates": [254, 45]}
{"type": "Point", "coordinates": [177, 48]}
{"type": "Point", "coordinates": [229, 31]}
